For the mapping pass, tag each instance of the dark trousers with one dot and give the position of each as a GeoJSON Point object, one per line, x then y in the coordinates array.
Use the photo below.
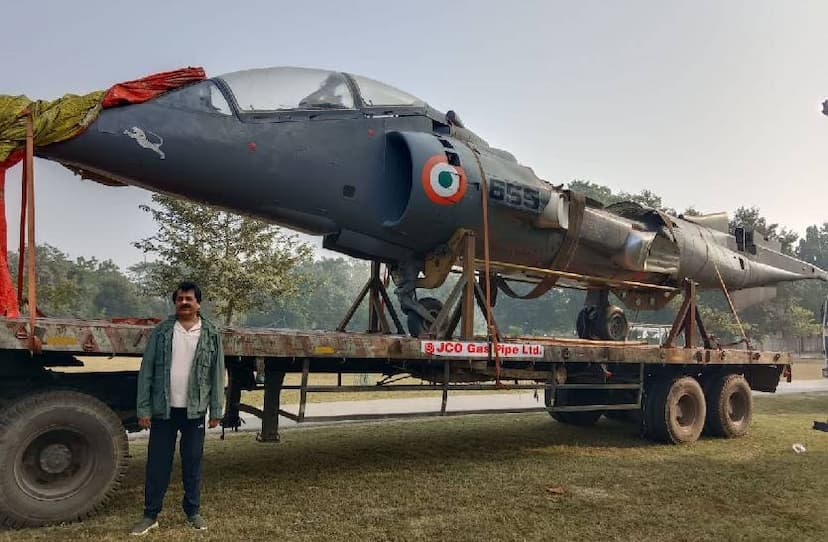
{"type": "Point", "coordinates": [160, 459]}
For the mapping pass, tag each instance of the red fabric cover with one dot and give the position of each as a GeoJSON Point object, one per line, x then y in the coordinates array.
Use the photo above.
{"type": "Point", "coordinates": [11, 161]}
{"type": "Point", "coordinates": [130, 92]}
{"type": "Point", "coordinates": [8, 295]}
{"type": "Point", "coordinates": [141, 90]}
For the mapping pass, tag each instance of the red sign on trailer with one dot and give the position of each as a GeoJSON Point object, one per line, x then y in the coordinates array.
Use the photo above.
{"type": "Point", "coordinates": [466, 349]}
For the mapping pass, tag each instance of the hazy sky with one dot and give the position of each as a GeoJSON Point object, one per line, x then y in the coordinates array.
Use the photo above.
{"type": "Point", "coordinates": [714, 104]}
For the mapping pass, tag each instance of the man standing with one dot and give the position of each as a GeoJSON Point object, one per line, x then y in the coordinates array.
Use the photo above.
{"type": "Point", "coordinates": [182, 374]}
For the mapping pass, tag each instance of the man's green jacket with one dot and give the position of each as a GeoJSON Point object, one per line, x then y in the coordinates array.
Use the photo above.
{"type": "Point", "coordinates": [206, 386]}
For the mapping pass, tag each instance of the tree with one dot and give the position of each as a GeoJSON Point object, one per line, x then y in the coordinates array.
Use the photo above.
{"type": "Point", "coordinates": [84, 288]}
{"type": "Point", "coordinates": [595, 191]}
{"type": "Point", "coordinates": [813, 248]}
{"type": "Point", "coordinates": [330, 287]}
{"type": "Point", "coordinates": [238, 261]}
{"type": "Point", "coordinates": [750, 217]}
{"type": "Point", "coordinates": [605, 195]}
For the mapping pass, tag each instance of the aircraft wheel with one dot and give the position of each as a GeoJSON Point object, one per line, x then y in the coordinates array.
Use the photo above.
{"type": "Point", "coordinates": [613, 325]}
{"type": "Point", "coordinates": [583, 323]}
{"type": "Point", "coordinates": [417, 326]}
{"type": "Point", "coordinates": [729, 406]}
{"type": "Point", "coordinates": [676, 410]}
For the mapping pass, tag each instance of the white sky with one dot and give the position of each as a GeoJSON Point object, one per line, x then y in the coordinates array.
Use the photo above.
{"type": "Point", "coordinates": [714, 104]}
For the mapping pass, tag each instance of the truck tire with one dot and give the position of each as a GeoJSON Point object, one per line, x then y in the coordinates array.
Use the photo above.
{"type": "Point", "coordinates": [729, 406]}
{"type": "Point", "coordinates": [63, 455]}
{"type": "Point", "coordinates": [676, 410]}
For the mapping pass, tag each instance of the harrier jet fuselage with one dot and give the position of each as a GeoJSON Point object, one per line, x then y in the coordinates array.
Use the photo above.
{"type": "Point", "coordinates": [383, 176]}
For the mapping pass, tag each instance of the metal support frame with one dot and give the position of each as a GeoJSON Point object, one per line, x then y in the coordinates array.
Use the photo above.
{"type": "Point", "coordinates": [459, 305]}
{"type": "Point", "coordinates": [688, 320]}
{"type": "Point", "coordinates": [231, 419]}
{"type": "Point", "coordinates": [378, 303]}
{"type": "Point", "coordinates": [274, 378]}
{"type": "Point", "coordinates": [272, 404]}
{"type": "Point", "coordinates": [552, 385]}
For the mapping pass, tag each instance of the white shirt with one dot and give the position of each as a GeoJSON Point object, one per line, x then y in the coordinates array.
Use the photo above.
{"type": "Point", "coordinates": [183, 350]}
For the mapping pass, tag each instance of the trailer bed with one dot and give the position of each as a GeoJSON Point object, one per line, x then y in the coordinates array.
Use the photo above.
{"type": "Point", "coordinates": [102, 337]}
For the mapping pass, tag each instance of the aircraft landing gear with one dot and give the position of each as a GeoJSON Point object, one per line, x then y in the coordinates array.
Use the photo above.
{"type": "Point", "coordinates": [417, 323]}
{"type": "Point", "coordinates": [600, 320]}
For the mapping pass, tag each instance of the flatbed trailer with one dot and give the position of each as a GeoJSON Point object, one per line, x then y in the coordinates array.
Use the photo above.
{"type": "Point", "coordinates": [63, 445]}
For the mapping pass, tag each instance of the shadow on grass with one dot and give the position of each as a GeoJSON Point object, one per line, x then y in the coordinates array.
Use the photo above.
{"type": "Point", "coordinates": [355, 447]}
{"type": "Point", "coordinates": [489, 477]}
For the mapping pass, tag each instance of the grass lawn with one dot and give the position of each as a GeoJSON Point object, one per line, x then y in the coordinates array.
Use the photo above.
{"type": "Point", "coordinates": [505, 477]}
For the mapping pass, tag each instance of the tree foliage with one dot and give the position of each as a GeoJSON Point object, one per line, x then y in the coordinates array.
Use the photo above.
{"type": "Point", "coordinates": [84, 288]}
{"type": "Point", "coordinates": [238, 261]}
{"type": "Point", "coordinates": [330, 286]}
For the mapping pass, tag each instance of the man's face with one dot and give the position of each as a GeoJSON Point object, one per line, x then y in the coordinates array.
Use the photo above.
{"type": "Point", "coordinates": [186, 304]}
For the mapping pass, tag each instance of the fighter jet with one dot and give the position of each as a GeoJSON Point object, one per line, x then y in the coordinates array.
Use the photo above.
{"type": "Point", "coordinates": [382, 176]}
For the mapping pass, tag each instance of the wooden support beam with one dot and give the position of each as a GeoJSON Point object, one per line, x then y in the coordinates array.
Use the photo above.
{"type": "Point", "coordinates": [28, 171]}
{"type": "Point", "coordinates": [373, 305]}
{"type": "Point", "coordinates": [690, 319]}
{"type": "Point", "coordinates": [378, 304]}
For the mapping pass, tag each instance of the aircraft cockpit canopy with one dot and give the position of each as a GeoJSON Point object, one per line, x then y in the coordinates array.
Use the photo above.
{"type": "Point", "coordinates": [279, 89]}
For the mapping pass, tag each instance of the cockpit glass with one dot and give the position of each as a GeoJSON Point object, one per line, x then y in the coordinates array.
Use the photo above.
{"type": "Point", "coordinates": [276, 89]}
{"type": "Point", "coordinates": [375, 93]}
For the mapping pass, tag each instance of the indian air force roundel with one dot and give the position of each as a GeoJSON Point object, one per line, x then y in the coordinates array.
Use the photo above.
{"type": "Point", "coordinates": [444, 184]}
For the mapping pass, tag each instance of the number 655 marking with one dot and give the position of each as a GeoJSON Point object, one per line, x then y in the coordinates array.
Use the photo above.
{"type": "Point", "coordinates": [514, 195]}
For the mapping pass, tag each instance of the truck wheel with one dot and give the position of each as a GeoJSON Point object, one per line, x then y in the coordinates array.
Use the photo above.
{"type": "Point", "coordinates": [676, 411]}
{"type": "Point", "coordinates": [62, 456]}
{"type": "Point", "coordinates": [729, 406]}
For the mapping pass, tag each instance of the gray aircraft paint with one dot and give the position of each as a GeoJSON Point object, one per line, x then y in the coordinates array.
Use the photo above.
{"type": "Point", "coordinates": [359, 177]}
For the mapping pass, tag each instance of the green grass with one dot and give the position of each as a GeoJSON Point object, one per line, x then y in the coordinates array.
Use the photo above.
{"type": "Point", "coordinates": [504, 477]}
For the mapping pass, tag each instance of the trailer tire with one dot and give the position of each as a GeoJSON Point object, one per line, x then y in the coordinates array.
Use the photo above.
{"type": "Point", "coordinates": [729, 406]}
{"type": "Point", "coordinates": [63, 455]}
{"type": "Point", "coordinates": [568, 398]}
{"type": "Point", "coordinates": [676, 411]}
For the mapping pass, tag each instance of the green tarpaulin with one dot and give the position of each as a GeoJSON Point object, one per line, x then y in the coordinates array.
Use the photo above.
{"type": "Point", "coordinates": [54, 121]}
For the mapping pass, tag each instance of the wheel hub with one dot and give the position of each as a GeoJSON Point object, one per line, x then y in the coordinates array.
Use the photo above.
{"type": "Point", "coordinates": [686, 411]}
{"type": "Point", "coordinates": [54, 464]}
{"type": "Point", "coordinates": [736, 407]}
{"type": "Point", "coordinates": [55, 458]}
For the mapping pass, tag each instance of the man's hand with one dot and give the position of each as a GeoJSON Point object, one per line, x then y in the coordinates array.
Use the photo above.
{"type": "Point", "coordinates": [213, 422]}
{"type": "Point", "coordinates": [144, 422]}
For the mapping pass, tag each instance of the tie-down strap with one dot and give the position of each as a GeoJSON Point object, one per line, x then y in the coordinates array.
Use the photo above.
{"type": "Point", "coordinates": [562, 259]}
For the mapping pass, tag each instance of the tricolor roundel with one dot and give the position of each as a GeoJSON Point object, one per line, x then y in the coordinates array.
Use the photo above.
{"type": "Point", "coordinates": [444, 184]}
